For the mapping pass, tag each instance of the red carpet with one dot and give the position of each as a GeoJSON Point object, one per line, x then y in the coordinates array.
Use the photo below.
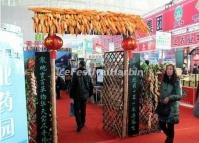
{"type": "Point", "coordinates": [186, 132]}
{"type": "Point", "coordinates": [91, 133]}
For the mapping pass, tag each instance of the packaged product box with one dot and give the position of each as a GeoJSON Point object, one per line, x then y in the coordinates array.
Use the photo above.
{"type": "Point", "coordinates": [186, 78]}
{"type": "Point", "coordinates": [192, 77]}
{"type": "Point", "coordinates": [183, 82]}
{"type": "Point", "coordinates": [197, 82]}
{"type": "Point", "coordinates": [186, 83]}
{"type": "Point", "coordinates": [192, 84]}
{"type": "Point", "coordinates": [197, 77]}
{"type": "Point", "coordinates": [179, 71]}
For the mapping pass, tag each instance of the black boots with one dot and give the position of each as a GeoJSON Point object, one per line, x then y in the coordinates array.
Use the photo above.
{"type": "Point", "coordinates": [169, 140]}
{"type": "Point", "coordinates": [79, 128]}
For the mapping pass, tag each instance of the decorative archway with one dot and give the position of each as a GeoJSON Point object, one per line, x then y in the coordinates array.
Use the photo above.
{"type": "Point", "coordinates": [70, 21]}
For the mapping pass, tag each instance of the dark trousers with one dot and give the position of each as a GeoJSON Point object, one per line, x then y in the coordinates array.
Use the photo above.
{"type": "Point", "coordinates": [68, 84]}
{"type": "Point", "coordinates": [58, 93]}
{"type": "Point", "coordinates": [80, 112]}
{"type": "Point", "coordinates": [168, 129]}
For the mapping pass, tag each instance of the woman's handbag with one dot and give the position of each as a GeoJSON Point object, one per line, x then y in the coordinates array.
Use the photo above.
{"type": "Point", "coordinates": [163, 109]}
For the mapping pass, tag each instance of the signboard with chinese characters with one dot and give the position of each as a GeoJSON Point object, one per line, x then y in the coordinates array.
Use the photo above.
{"type": "Point", "coordinates": [150, 25]}
{"type": "Point", "coordinates": [44, 105]}
{"type": "Point", "coordinates": [13, 114]}
{"type": "Point", "coordinates": [147, 44]}
{"type": "Point", "coordinates": [182, 14]}
{"type": "Point", "coordinates": [159, 23]}
{"type": "Point", "coordinates": [133, 113]}
{"type": "Point", "coordinates": [163, 40]}
{"type": "Point", "coordinates": [187, 39]}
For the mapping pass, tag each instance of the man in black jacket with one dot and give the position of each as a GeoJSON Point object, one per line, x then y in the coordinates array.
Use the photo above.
{"type": "Point", "coordinates": [60, 85]}
{"type": "Point", "coordinates": [81, 89]}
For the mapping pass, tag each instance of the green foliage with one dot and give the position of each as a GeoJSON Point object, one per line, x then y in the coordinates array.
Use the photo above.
{"type": "Point", "coordinates": [152, 68]}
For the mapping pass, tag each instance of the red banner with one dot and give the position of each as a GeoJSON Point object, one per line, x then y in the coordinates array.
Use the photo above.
{"type": "Point", "coordinates": [156, 22]}
{"type": "Point", "coordinates": [180, 15]}
{"type": "Point", "coordinates": [147, 46]}
{"type": "Point", "coordinates": [185, 40]}
{"type": "Point", "coordinates": [183, 14]}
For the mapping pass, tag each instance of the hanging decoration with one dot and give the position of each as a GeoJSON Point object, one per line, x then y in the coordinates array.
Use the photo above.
{"type": "Point", "coordinates": [31, 99]}
{"type": "Point", "coordinates": [149, 94]}
{"type": "Point", "coordinates": [129, 44]}
{"type": "Point", "coordinates": [53, 42]}
{"type": "Point", "coordinates": [71, 21]}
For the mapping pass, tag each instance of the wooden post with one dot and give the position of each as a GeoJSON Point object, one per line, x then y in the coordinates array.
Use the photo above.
{"type": "Point", "coordinates": [53, 96]}
{"type": "Point", "coordinates": [125, 117]}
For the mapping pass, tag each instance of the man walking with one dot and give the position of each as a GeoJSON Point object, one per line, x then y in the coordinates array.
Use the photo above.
{"type": "Point", "coordinates": [81, 89]}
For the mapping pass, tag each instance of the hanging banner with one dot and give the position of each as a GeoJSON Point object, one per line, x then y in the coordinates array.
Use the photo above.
{"type": "Point", "coordinates": [133, 113]}
{"type": "Point", "coordinates": [44, 106]}
{"type": "Point", "coordinates": [163, 40]}
{"type": "Point", "coordinates": [147, 44]}
{"type": "Point", "coordinates": [13, 114]}
{"type": "Point", "coordinates": [181, 20]}
{"type": "Point", "coordinates": [183, 14]}
{"type": "Point", "coordinates": [185, 39]}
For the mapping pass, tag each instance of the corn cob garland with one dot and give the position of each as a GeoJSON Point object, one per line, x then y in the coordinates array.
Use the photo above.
{"type": "Point", "coordinates": [31, 105]}
{"type": "Point", "coordinates": [71, 21]}
{"type": "Point", "coordinates": [148, 97]}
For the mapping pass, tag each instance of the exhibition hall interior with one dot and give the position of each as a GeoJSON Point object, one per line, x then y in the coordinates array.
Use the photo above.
{"type": "Point", "coordinates": [97, 71]}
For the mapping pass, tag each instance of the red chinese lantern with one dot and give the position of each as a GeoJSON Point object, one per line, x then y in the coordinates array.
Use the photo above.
{"type": "Point", "coordinates": [129, 44]}
{"type": "Point", "coordinates": [53, 42]}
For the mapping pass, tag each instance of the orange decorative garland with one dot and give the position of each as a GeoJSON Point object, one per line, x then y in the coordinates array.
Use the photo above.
{"type": "Point", "coordinates": [71, 21]}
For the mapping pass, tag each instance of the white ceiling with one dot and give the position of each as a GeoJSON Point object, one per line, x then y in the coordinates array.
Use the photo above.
{"type": "Point", "coordinates": [139, 7]}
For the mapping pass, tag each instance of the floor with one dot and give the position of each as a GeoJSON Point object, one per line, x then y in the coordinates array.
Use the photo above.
{"type": "Point", "coordinates": [187, 131]}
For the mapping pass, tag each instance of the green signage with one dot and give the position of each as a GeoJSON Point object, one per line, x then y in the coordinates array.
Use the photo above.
{"type": "Point", "coordinates": [89, 46]}
{"type": "Point", "coordinates": [99, 60]}
{"type": "Point", "coordinates": [197, 6]}
{"type": "Point", "coordinates": [39, 37]}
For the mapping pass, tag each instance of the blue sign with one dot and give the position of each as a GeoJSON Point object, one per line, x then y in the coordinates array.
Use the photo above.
{"type": "Point", "coordinates": [13, 115]}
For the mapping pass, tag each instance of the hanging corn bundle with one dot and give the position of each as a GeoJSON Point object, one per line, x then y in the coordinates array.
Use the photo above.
{"type": "Point", "coordinates": [149, 96]}
{"type": "Point", "coordinates": [52, 20]}
{"type": "Point", "coordinates": [31, 93]}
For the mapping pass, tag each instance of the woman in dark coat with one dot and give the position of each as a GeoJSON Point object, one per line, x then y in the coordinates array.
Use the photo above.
{"type": "Point", "coordinates": [170, 94]}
